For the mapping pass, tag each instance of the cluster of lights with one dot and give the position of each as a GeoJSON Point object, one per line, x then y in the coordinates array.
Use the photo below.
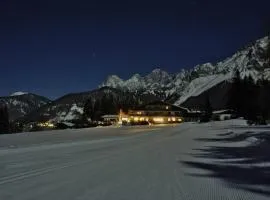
{"type": "Point", "coordinates": [46, 124]}
{"type": "Point", "coordinates": [158, 119]}
{"type": "Point", "coordinates": [155, 119]}
{"type": "Point", "coordinates": [173, 119]}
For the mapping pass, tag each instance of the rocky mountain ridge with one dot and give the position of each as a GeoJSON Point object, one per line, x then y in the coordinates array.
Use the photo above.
{"type": "Point", "coordinates": [249, 61]}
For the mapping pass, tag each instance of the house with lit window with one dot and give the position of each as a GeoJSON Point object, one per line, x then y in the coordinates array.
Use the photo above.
{"type": "Point", "coordinates": [157, 112]}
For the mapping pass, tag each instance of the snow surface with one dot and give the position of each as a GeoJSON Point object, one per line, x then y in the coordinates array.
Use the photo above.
{"type": "Point", "coordinates": [190, 161]}
{"type": "Point", "coordinates": [73, 113]}
{"type": "Point", "coordinates": [199, 85]}
{"type": "Point", "coordinates": [18, 93]}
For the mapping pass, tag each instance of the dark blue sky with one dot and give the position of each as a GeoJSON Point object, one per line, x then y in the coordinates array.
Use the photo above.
{"type": "Point", "coordinates": [54, 47]}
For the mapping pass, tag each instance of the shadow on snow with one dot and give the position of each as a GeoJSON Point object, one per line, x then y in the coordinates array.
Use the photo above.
{"type": "Point", "coordinates": [243, 166]}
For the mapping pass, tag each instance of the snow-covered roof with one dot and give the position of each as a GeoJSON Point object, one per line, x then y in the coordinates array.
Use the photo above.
{"type": "Point", "coordinates": [109, 116]}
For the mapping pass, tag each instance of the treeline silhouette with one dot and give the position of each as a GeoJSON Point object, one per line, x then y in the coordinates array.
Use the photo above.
{"type": "Point", "coordinates": [250, 99]}
{"type": "Point", "coordinates": [4, 119]}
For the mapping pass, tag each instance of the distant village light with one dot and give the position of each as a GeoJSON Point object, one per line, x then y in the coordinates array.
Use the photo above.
{"type": "Point", "coordinates": [51, 125]}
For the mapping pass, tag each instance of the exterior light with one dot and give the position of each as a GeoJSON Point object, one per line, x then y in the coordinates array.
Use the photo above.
{"type": "Point", "coordinates": [173, 119]}
{"type": "Point", "coordinates": [136, 119]}
{"type": "Point", "coordinates": [158, 119]}
{"type": "Point", "coordinates": [50, 125]}
{"type": "Point", "coordinates": [124, 119]}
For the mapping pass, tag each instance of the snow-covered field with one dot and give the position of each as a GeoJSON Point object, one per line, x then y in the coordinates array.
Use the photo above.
{"type": "Point", "coordinates": [216, 160]}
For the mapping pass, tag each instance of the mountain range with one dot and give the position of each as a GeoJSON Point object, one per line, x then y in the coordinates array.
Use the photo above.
{"type": "Point", "coordinates": [180, 87]}
{"type": "Point", "coordinates": [20, 104]}
{"type": "Point", "coordinates": [187, 88]}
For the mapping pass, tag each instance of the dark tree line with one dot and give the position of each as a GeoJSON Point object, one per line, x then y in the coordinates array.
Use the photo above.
{"type": "Point", "coordinates": [208, 110]}
{"type": "Point", "coordinates": [108, 104]}
{"type": "Point", "coordinates": [4, 119]}
{"type": "Point", "coordinates": [250, 99]}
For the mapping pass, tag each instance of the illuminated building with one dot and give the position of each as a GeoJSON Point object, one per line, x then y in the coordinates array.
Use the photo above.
{"type": "Point", "coordinates": [157, 112]}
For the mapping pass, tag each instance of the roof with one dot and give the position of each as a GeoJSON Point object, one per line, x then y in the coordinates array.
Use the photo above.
{"type": "Point", "coordinates": [109, 116]}
{"type": "Point", "coordinates": [228, 111]}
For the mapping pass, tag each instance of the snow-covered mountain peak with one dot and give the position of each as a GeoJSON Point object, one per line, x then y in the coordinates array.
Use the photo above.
{"type": "Point", "coordinates": [263, 42]}
{"type": "Point", "coordinates": [158, 76]}
{"type": "Point", "coordinates": [136, 77]}
{"type": "Point", "coordinates": [205, 69]}
{"type": "Point", "coordinates": [249, 61]}
{"type": "Point", "coordinates": [18, 93]}
{"type": "Point", "coordinates": [113, 81]}
{"type": "Point", "coordinates": [157, 70]}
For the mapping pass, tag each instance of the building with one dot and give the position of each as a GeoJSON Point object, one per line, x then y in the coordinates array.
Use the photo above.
{"type": "Point", "coordinates": [193, 116]}
{"type": "Point", "coordinates": [110, 118]}
{"type": "Point", "coordinates": [157, 112]}
{"type": "Point", "coordinates": [223, 115]}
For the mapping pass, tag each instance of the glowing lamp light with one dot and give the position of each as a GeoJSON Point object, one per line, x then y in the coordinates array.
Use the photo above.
{"type": "Point", "coordinates": [125, 119]}
{"type": "Point", "coordinates": [173, 119]}
{"type": "Point", "coordinates": [136, 119]}
{"type": "Point", "coordinates": [158, 119]}
{"type": "Point", "coordinates": [141, 119]}
{"type": "Point", "coordinates": [179, 120]}
{"type": "Point", "coordinates": [50, 125]}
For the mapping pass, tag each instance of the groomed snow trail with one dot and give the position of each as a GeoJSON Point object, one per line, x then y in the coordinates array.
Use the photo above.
{"type": "Point", "coordinates": [118, 163]}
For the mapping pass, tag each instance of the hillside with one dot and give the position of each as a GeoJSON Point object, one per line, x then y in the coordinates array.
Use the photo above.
{"type": "Point", "coordinates": [70, 107]}
{"type": "Point", "coordinates": [21, 104]}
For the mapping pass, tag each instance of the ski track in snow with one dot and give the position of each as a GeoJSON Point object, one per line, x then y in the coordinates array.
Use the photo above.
{"type": "Point", "coordinates": [125, 163]}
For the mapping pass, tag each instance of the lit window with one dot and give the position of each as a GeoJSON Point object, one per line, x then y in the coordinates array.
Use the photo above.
{"type": "Point", "coordinates": [136, 118]}
{"type": "Point", "coordinates": [158, 119]}
{"type": "Point", "coordinates": [139, 113]}
{"type": "Point", "coordinates": [124, 119]}
{"type": "Point", "coordinates": [167, 107]}
{"type": "Point", "coordinates": [173, 119]}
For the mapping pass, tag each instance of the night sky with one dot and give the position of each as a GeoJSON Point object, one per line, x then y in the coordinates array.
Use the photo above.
{"type": "Point", "coordinates": [54, 47]}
